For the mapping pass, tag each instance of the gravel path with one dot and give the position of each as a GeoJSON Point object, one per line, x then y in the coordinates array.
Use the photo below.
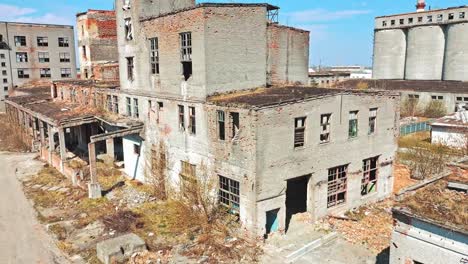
{"type": "Point", "coordinates": [22, 238]}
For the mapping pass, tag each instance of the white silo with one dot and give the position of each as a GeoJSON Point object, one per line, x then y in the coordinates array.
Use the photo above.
{"type": "Point", "coordinates": [456, 53]}
{"type": "Point", "coordinates": [389, 54]}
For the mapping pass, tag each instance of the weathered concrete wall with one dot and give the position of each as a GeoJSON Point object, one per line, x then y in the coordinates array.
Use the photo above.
{"type": "Point", "coordinates": [278, 160]}
{"type": "Point", "coordinates": [426, 243]}
{"type": "Point", "coordinates": [288, 55]}
{"type": "Point", "coordinates": [450, 100]}
{"type": "Point", "coordinates": [453, 137]}
{"type": "Point", "coordinates": [134, 163]}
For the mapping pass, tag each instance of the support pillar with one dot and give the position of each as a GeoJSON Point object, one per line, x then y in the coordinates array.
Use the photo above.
{"type": "Point", "coordinates": [110, 148]}
{"type": "Point", "coordinates": [63, 149]}
{"type": "Point", "coordinates": [51, 142]}
{"type": "Point", "coordinates": [41, 130]}
{"type": "Point", "coordinates": [94, 189]}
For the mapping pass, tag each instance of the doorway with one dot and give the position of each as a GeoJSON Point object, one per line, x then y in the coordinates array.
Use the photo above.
{"type": "Point", "coordinates": [272, 221]}
{"type": "Point", "coordinates": [296, 197]}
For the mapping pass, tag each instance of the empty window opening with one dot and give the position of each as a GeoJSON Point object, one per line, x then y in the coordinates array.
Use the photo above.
{"type": "Point", "coordinates": [186, 54]}
{"type": "Point", "coordinates": [369, 177]}
{"type": "Point", "coordinates": [65, 73]}
{"type": "Point", "coordinates": [402, 21]}
{"type": "Point", "coordinates": [6, 80]}
{"type": "Point", "coordinates": [136, 149]}
{"type": "Point", "coordinates": [20, 41]}
{"type": "Point", "coordinates": [63, 42]}
{"type": "Point", "coordinates": [420, 19]}
{"type": "Point", "coordinates": [130, 68]}
{"type": "Point", "coordinates": [42, 41]}
{"type": "Point", "coordinates": [229, 193]}
{"type": "Point", "coordinates": [413, 96]}
{"type": "Point", "coordinates": [128, 29]}
{"type": "Point", "coordinates": [337, 185]}
{"type": "Point", "coordinates": [129, 106]}
{"type": "Point", "coordinates": [181, 117]}
{"type": "Point", "coordinates": [299, 132]}
{"type": "Point", "coordinates": [440, 17]}
{"type": "Point", "coordinates": [4, 73]}
{"type": "Point", "coordinates": [64, 57]}
{"type": "Point", "coordinates": [159, 111]}
{"type": "Point", "coordinates": [86, 74]}
{"type": "Point", "coordinates": [45, 73]}
{"type": "Point", "coordinates": [84, 52]}
{"type": "Point", "coordinates": [221, 125]}
{"type": "Point", "coordinates": [23, 73]}
{"type": "Point", "coordinates": [451, 16]}
{"type": "Point", "coordinates": [325, 124]}
{"type": "Point", "coordinates": [192, 121]}
{"type": "Point", "coordinates": [462, 15]}
{"type": "Point", "coordinates": [235, 124]}
{"type": "Point", "coordinates": [353, 124]}
{"type": "Point", "coordinates": [21, 57]}
{"type": "Point", "coordinates": [136, 111]}
{"type": "Point", "coordinates": [154, 55]}
{"type": "Point", "coordinates": [410, 20]}
{"type": "Point", "coordinates": [372, 121]}
{"type": "Point", "coordinates": [43, 57]}
{"type": "Point", "coordinates": [392, 22]}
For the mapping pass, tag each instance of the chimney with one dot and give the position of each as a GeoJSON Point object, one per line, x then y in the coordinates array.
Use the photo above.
{"type": "Point", "coordinates": [421, 6]}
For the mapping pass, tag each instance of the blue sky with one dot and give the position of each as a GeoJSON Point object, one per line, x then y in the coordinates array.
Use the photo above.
{"type": "Point", "coordinates": [341, 30]}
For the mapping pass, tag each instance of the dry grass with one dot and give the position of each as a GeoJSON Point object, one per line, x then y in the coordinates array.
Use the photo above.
{"type": "Point", "coordinates": [95, 209]}
{"type": "Point", "coordinates": [415, 139]}
{"type": "Point", "coordinates": [108, 176]}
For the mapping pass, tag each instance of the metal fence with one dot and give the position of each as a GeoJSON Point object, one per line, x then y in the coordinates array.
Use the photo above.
{"type": "Point", "coordinates": [414, 127]}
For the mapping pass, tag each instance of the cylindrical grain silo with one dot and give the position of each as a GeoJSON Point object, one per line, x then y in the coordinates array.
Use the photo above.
{"type": "Point", "coordinates": [389, 54]}
{"type": "Point", "coordinates": [425, 53]}
{"type": "Point", "coordinates": [456, 53]}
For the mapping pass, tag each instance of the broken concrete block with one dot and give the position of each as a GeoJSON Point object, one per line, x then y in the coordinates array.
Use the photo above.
{"type": "Point", "coordinates": [120, 248]}
{"type": "Point", "coordinates": [94, 191]}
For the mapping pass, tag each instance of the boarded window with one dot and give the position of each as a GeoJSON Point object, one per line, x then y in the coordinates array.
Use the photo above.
{"type": "Point", "coordinates": [369, 177]}
{"type": "Point", "coordinates": [154, 55]}
{"type": "Point", "coordinates": [192, 121]}
{"type": "Point", "coordinates": [337, 185]}
{"type": "Point", "coordinates": [372, 120]}
{"type": "Point", "coordinates": [325, 124]}
{"type": "Point", "coordinates": [299, 132]}
{"type": "Point", "coordinates": [353, 124]}
{"type": "Point", "coordinates": [221, 125]}
{"type": "Point", "coordinates": [229, 193]}
{"type": "Point", "coordinates": [181, 117]}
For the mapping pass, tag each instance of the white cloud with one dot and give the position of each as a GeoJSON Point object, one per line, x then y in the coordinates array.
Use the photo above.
{"type": "Point", "coordinates": [29, 15]}
{"type": "Point", "coordinates": [316, 15]}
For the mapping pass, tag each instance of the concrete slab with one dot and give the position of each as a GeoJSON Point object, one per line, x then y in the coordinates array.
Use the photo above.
{"type": "Point", "coordinates": [119, 248]}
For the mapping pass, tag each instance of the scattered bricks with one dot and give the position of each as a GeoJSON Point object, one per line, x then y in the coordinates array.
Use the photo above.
{"type": "Point", "coordinates": [120, 248]}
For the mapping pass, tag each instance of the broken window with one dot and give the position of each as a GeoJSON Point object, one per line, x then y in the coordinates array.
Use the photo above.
{"type": "Point", "coordinates": [154, 55]}
{"type": "Point", "coordinates": [20, 41]}
{"type": "Point", "coordinates": [181, 117]}
{"type": "Point", "coordinates": [353, 124]}
{"type": "Point", "coordinates": [392, 22]}
{"type": "Point", "coordinates": [192, 120]}
{"type": "Point", "coordinates": [188, 171]}
{"type": "Point", "coordinates": [109, 103]}
{"type": "Point", "coordinates": [65, 73]}
{"type": "Point", "coordinates": [43, 57]}
{"type": "Point", "coordinates": [402, 21]}
{"type": "Point", "coordinates": [63, 42]}
{"type": "Point", "coordinates": [64, 57]}
{"type": "Point", "coordinates": [369, 177]}
{"type": "Point", "coordinates": [186, 54]}
{"type": "Point", "coordinates": [128, 29]}
{"type": "Point", "coordinates": [325, 124]}
{"type": "Point", "coordinates": [136, 111]}
{"type": "Point", "coordinates": [129, 106]}
{"type": "Point", "coordinates": [384, 23]}
{"type": "Point", "coordinates": [451, 16]}
{"type": "Point", "coordinates": [21, 57]}
{"type": "Point", "coordinates": [410, 20]}
{"type": "Point", "coordinates": [116, 104]}
{"type": "Point", "coordinates": [42, 41]}
{"type": "Point", "coordinates": [229, 192]}
{"type": "Point", "coordinates": [337, 185]}
{"type": "Point", "coordinates": [45, 73]}
{"type": "Point", "coordinates": [462, 15]}
{"type": "Point", "coordinates": [420, 19]}
{"type": "Point", "coordinates": [136, 149]}
{"type": "Point", "coordinates": [429, 18]}
{"type": "Point", "coordinates": [372, 120]}
{"type": "Point", "coordinates": [130, 68]}
{"type": "Point", "coordinates": [126, 5]}
{"type": "Point", "coordinates": [440, 17]}
{"type": "Point", "coordinates": [235, 124]}
{"type": "Point", "coordinates": [299, 132]}
{"type": "Point", "coordinates": [23, 73]}
{"type": "Point", "coordinates": [221, 125]}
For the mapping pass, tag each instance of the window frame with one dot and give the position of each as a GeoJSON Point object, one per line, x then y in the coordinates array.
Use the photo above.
{"type": "Point", "coordinates": [130, 68]}
{"type": "Point", "coordinates": [64, 56]}
{"type": "Point", "coordinates": [369, 182]}
{"type": "Point", "coordinates": [221, 123]}
{"type": "Point", "coordinates": [136, 108]}
{"type": "Point", "coordinates": [129, 106]}
{"type": "Point", "coordinates": [43, 56]}
{"type": "Point", "coordinates": [325, 128]}
{"type": "Point", "coordinates": [353, 122]}
{"type": "Point", "coordinates": [24, 73]}
{"type": "Point", "coordinates": [22, 57]}
{"type": "Point", "coordinates": [181, 115]}
{"type": "Point", "coordinates": [41, 43]}
{"type": "Point", "coordinates": [337, 185]}
{"type": "Point", "coordinates": [65, 73]}
{"type": "Point", "coordinates": [373, 112]}
{"type": "Point", "coordinates": [192, 120]}
{"type": "Point", "coordinates": [154, 55]}
{"type": "Point", "coordinates": [20, 41]}
{"type": "Point", "coordinates": [47, 74]}
{"type": "Point", "coordinates": [300, 132]}
{"type": "Point", "coordinates": [229, 193]}
{"type": "Point", "coordinates": [64, 42]}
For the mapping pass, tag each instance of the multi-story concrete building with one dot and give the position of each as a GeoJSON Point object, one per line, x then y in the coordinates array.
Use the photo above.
{"type": "Point", "coordinates": [35, 52]}
{"type": "Point", "coordinates": [219, 90]}
{"type": "Point", "coordinates": [97, 42]}
{"type": "Point", "coordinates": [424, 45]}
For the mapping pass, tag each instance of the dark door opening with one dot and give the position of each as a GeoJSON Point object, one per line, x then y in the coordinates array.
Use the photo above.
{"type": "Point", "coordinates": [296, 197]}
{"type": "Point", "coordinates": [272, 221]}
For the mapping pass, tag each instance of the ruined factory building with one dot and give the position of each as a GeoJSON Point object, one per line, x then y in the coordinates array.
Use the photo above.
{"type": "Point", "coordinates": [430, 223]}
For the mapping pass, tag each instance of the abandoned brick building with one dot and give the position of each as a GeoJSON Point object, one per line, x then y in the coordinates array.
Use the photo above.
{"type": "Point", "coordinates": [218, 89]}
{"type": "Point", "coordinates": [97, 44]}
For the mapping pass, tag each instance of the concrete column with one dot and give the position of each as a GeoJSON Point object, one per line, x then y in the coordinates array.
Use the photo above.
{"type": "Point", "coordinates": [63, 148]}
{"type": "Point", "coordinates": [51, 142]}
{"type": "Point", "coordinates": [110, 148]}
{"type": "Point", "coordinates": [41, 130]}
{"type": "Point", "coordinates": [94, 189]}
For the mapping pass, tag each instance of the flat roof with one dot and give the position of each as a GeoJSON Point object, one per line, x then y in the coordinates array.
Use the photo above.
{"type": "Point", "coordinates": [456, 120]}
{"type": "Point", "coordinates": [36, 24]}
{"type": "Point", "coordinates": [89, 83]}
{"type": "Point", "coordinates": [424, 12]}
{"type": "Point", "coordinates": [263, 97]}
{"type": "Point", "coordinates": [407, 85]}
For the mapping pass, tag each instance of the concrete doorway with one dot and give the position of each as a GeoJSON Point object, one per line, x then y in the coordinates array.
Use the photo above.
{"type": "Point", "coordinates": [296, 197]}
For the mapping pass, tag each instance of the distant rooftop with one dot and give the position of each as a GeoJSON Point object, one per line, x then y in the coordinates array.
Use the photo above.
{"type": "Point", "coordinates": [36, 24]}
{"type": "Point", "coordinates": [407, 85]}
{"type": "Point", "coordinates": [459, 119]}
{"type": "Point", "coordinates": [425, 11]}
